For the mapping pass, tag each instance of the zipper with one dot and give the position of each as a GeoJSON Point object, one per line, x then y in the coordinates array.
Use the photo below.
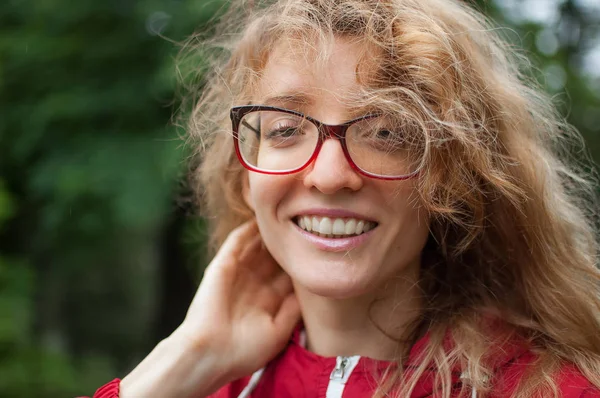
{"type": "Point", "coordinates": [252, 383]}
{"type": "Point", "coordinates": [340, 368]}
{"type": "Point", "coordinates": [340, 374]}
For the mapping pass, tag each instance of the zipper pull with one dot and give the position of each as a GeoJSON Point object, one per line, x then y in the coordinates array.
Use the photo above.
{"type": "Point", "coordinates": [340, 368]}
{"type": "Point", "coordinates": [344, 366]}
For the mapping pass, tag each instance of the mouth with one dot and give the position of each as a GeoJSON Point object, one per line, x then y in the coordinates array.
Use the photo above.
{"type": "Point", "coordinates": [334, 228]}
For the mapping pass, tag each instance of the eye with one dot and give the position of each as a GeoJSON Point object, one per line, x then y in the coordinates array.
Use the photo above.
{"type": "Point", "coordinates": [387, 139]}
{"type": "Point", "coordinates": [283, 132]}
{"type": "Point", "coordinates": [383, 133]}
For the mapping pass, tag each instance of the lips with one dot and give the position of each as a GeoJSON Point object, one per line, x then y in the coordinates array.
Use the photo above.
{"type": "Point", "coordinates": [334, 227]}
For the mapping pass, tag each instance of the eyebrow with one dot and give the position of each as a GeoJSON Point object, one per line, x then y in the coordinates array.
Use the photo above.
{"type": "Point", "coordinates": [300, 102]}
{"type": "Point", "coordinates": [289, 99]}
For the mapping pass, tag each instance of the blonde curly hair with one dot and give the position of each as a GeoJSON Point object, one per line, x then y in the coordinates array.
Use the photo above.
{"type": "Point", "coordinates": [509, 189]}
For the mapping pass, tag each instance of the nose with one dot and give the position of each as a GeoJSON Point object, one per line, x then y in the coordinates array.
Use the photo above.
{"type": "Point", "coordinates": [331, 171]}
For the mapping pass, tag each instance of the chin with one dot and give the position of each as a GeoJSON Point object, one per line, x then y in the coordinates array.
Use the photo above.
{"type": "Point", "coordinates": [335, 292]}
{"type": "Point", "coordinates": [331, 284]}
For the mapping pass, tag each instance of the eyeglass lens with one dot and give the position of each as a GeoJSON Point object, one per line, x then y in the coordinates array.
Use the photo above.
{"type": "Point", "coordinates": [279, 142]}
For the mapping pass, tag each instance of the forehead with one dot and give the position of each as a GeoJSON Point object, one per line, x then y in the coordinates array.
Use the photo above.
{"type": "Point", "coordinates": [301, 74]}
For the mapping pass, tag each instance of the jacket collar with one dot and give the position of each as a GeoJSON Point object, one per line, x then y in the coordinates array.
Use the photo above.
{"type": "Point", "coordinates": [505, 353]}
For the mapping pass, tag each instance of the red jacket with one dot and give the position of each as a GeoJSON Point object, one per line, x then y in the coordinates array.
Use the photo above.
{"type": "Point", "coordinates": [298, 373]}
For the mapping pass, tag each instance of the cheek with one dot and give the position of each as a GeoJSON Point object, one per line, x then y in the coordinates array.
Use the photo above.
{"type": "Point", "coordinates": [266, 193]}
{"type": "Point", "coordinates": [401, 197]}
{"type": "Point", "coordinates": [407, 205]}
{"type": "Point", "coordinates": [255, 192]}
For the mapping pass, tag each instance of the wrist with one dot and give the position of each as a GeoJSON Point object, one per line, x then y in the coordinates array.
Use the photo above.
{"type": "Point", "coordinates": [199, 360]}
{"type": "Point", "coordinates": [177, 367]}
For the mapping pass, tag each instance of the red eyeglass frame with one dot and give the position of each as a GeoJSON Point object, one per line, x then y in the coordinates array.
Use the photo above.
{"type": "Point", "coordinates": [326, 131]}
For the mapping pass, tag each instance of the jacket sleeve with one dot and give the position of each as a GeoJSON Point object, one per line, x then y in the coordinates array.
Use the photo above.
{"type": "Point", "coordinates": [232, 390]}
{"type": "Point", "coordinates": [109, 390]}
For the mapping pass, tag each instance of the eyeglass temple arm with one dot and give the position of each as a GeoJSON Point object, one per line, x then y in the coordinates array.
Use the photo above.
{"type": "Point", "coordinates": [246, 124]}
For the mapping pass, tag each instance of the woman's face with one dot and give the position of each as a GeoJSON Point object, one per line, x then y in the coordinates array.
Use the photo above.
{"type": "Point", "coordinates": [330, 190]}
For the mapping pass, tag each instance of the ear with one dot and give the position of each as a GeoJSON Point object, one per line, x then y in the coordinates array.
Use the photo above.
{"type": "Point", "coordinates": [246, 190]}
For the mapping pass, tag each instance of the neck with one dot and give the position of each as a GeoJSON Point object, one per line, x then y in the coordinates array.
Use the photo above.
{"type": "Point", "coordinates": [370, 325]}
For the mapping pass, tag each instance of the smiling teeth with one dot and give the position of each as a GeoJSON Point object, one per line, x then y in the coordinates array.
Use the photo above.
{"type": "Point", "coordinates": [325, 226]}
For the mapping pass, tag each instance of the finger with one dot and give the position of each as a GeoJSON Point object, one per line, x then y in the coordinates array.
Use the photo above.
{"type": "Point", "coordinates": [220, 275]}
{"type": "Point", "coordinates": [264, 300]}
{"type": "Point", "coordinates": [256, 258]}
{"type": "Point", "coordinates": [252, 248]}
{"type": "Point", "coordinates": [234, 244]}
{"type": "Point", "coordinates": [282, 284]}
{"type": "Point", "coordinates": [240, 237]}
{"type": "Point", "coordinates": [266, 267]}
{"type": "Point", "coordinates": [287, 317]}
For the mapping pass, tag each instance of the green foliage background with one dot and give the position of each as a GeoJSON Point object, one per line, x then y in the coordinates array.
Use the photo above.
{"type": "Point", "coordinates": [98, 260]}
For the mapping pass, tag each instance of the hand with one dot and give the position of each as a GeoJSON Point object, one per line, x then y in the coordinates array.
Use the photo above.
{"type": "Point", "coordinates": [245, 308]}
{"type": "Point", "coordinates": [241, 316]}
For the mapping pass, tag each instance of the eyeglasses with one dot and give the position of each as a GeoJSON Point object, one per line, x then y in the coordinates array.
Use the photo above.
{"type": "Point", "coordinates": [278, 141]}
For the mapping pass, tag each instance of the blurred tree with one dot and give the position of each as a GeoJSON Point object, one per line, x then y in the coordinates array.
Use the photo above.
{"type": "Point", "coordinates": [561, 38]}
{"type": "Point", "coordinates": [90, 168]}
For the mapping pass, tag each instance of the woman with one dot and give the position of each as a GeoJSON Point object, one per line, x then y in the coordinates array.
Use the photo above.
{"type": "Point", "coordinates": [397, 215]}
